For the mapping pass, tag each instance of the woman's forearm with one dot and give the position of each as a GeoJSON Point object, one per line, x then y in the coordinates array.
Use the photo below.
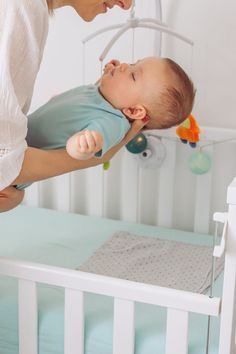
{"type": "Point", "coordinates": [41, 164]}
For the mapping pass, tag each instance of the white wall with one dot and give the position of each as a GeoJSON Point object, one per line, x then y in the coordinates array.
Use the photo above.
{"type": "Point", "coordinates": [210, 23]}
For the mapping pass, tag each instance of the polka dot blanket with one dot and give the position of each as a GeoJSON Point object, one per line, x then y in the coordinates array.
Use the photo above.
{"type": "Point", "coordinates": [155, 261]}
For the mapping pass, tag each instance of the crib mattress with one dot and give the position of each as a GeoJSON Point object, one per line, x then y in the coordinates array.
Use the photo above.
{"type": "Point", "coordinates": [68, 240]}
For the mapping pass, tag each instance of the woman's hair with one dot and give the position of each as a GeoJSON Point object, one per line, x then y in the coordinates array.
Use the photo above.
{"type": "Point", "coordinates": [174, 104]}
{"type": "Point", "coordinates": [50, 6]}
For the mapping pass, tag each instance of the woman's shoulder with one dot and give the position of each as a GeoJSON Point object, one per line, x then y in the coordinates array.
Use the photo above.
{"type": "Point", "coordinates": [33, 12]}
{"type": "Point", "coordinates": [31, 4]}
{"type": "Point", "coordinates": [24, 20]}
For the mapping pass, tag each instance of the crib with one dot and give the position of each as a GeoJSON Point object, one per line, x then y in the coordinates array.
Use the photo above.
{"type": "Point", "coordinates": [47, 306]}
{"type": "Point", "coordinates": [41, 257]}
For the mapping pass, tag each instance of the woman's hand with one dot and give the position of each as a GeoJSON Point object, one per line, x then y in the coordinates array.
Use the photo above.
{"type": "Point", "coordinates": [136, 127]}
{"type": "Point", "coordinates": [10, 197]}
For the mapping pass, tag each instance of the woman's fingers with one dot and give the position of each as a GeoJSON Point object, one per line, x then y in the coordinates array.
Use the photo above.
{"type": "Point", "coordinates": [136, 126]}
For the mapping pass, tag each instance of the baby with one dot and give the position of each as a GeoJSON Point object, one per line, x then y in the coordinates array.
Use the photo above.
{"type": "Point", "coordinates": [89, 120]}
{"type": "Point", "coordinates": [154, 89]}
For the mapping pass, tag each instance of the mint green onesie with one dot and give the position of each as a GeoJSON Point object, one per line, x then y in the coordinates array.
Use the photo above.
{"type": "Point", "coordinates": [83, 107]}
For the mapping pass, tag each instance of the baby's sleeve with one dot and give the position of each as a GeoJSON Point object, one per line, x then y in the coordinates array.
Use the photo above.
{"type": "Point", "coordinates": [112, 129]}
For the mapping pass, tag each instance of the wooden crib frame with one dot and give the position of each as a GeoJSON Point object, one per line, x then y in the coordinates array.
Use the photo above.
{"type": "Point", "coordinates": [125, 293]}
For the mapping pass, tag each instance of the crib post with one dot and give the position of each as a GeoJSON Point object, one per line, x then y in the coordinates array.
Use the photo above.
{"type": "Point", "coordinates": [228, 311]}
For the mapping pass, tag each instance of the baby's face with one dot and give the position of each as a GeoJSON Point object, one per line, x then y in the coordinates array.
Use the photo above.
{"type": "Point", "coordinates": [127, 85]}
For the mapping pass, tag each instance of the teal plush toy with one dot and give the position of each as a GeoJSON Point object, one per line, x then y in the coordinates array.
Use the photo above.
{"type": "Point", "coordinates": [137, 144]}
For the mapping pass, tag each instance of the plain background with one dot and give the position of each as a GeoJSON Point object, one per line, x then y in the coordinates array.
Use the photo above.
{"type": "Point", "coordinates": [209, 23]}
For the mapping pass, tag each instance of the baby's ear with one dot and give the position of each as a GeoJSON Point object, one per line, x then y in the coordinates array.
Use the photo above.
{"type": "Point", "coordinates": [136, 112]}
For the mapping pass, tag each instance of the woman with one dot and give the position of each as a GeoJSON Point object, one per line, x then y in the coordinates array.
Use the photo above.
{"type": "Point", "coordinates": [23, 32]}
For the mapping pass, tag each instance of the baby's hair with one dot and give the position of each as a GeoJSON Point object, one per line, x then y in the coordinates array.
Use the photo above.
{"type": "Point", "coordinates": [174, 104]}
{"type": "Point", "coordinates": [50, 7]}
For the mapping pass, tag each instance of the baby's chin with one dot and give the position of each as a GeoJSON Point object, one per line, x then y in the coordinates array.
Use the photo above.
{"type": "Point", "coordinates": [101, 90]}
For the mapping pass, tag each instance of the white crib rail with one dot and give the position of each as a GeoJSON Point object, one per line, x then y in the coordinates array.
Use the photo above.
{"type": "Point", "coordinates": [125, 293]}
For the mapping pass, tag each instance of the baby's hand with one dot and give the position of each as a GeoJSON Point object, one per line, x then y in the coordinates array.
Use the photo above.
{"type": "Point", "coordinates": [111, 65]}
{"type": "Point", "coordinates": [84, 145]}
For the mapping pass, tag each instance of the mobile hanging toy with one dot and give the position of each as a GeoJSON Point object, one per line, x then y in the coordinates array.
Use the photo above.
{"type": "Point", "coordinates": [189, 131]}
{"type": "Point", "coordinates": [200, 161]}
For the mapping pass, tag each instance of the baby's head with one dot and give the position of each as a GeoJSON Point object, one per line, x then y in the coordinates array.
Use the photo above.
{"type": "Point", "coordinates": [173, 102]}
{"type": "Point", "coordinates": [157, 87]}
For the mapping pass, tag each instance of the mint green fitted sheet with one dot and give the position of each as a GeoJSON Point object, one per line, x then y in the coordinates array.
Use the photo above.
{"type": "Point", "coordinates": [67, 240]}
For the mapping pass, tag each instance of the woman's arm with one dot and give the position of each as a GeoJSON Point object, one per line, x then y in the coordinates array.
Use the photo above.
{"type": "Point", "coordinates": [23, 31]}
{"type": "Point", "coordinates": [41, 164]}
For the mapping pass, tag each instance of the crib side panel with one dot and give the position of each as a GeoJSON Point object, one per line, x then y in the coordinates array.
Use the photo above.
{"type": "Point", "coordinates": [125, 293]}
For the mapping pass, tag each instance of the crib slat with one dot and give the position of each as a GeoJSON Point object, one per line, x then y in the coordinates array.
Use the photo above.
{"type": "Point", "coordinates": [123, 328]}
{"type": "Point", "coordinates": [28, 317]}
{"type": "Point", "coordinates": [62, 192]}
{"type": "Point", "coordinates": [166, 186]}
{"type": "Point", "coordinates": [112, 188]}
{"type": "Point", "coordinates": [32, 196]}
{"type": "Point", "coordinates": [202, 204]}
{"type": "Point", "coordinates": [95, 191]}
{"type": "Point", "coordinates": [203, 200]}
{"type": "Point", "coordinates": [177, 332]}
{"type": "Point", "coordinates": [55, 193]}
{"type": "Point", "coordinates": [74, 322]}
{"type": "Point", "coordinates": [130, 184]}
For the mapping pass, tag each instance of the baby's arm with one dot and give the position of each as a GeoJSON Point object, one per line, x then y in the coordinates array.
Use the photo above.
{"type": "Point", "coordinates": [84, 145]}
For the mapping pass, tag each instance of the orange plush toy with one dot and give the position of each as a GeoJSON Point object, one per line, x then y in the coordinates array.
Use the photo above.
{"type": "Point", "coordinates": [189, 131]}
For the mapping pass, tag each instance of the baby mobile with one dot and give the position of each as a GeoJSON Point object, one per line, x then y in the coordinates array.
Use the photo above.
{"type": "Point", "coordinates": [189, 133]}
